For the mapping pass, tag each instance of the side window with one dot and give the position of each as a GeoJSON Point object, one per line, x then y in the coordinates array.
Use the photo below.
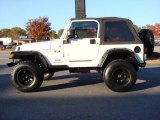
{"type": "Point", "coordinates": [85, 29]}
{"type": "Point", "coordinates": [117, 31]}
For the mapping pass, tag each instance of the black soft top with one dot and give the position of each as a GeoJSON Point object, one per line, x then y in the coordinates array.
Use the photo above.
{"type": "Point", "coordinates": [105, 19]}
{"type": "Point", "coordinates": [102, 21]}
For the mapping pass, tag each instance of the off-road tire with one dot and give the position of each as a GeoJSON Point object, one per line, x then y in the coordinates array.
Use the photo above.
{"type": "Point", "coordinates": [48, 76]}
{"type": "Point", "coordinates": [120, 76]}
{"type": "Point", "coordinates": [27, 76]}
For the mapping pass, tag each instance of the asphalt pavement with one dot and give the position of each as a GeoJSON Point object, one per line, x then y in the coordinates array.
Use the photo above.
{"type": "Point", "coordinates": [81, 97]}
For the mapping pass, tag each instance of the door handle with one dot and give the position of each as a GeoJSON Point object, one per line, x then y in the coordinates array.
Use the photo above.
{"type": "Point", "coordinates": [92, 41]}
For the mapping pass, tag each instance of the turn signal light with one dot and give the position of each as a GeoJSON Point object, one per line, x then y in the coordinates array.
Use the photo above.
{"type": "Point", "coordinates": [11, 56]}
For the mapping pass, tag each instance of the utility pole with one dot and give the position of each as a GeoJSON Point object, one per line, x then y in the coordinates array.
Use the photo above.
{"type": "Point", "coordinates": [80, 9]}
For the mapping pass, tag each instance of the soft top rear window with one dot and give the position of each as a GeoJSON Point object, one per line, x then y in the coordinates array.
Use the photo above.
{"type": "Point", "coordinates": [117, 31]}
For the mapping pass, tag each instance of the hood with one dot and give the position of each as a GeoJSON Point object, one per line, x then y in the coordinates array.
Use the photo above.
{"type": "Point", "coordinates": [35, 46]}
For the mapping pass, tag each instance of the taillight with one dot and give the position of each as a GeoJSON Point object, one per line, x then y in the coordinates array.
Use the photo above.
{"type": "Point", "coordinates": [145, 50]}
{"type": "Point", "coordinates": [145, 53]}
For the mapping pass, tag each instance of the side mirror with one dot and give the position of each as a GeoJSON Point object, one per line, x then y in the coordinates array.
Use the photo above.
{"type": "Point", "coordinates": [71, 34]}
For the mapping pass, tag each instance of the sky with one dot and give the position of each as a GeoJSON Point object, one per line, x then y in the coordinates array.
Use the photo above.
{"type": "Point", "coordinates": [16, 13]}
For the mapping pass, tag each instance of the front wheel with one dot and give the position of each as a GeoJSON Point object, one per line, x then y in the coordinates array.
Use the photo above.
{"type": "Point", "coordinates": [27, 76]}
{"type": "Point", "coordinates": [120, 76]}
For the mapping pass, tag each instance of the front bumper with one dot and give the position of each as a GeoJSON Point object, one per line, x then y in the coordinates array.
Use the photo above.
{"type": "Point", "coordinates": [11, 64]}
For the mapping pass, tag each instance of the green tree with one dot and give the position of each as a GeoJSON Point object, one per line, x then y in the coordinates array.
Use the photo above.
{"type": "Point", "coordinates": [14, 32]}
{"type": "Point", "coordinates": [136, 28]}
{"type": "Point", "coordinates": [53, 34]}
{"type": "Point", "coordinates": [39, 28]}
{"type": "Point", "coordinates": [60, 32]}
{"type": "Point", "coordinates": [0, 33]}
{"type": "Point", "coordinates": [5, 32]}
{"type": "Point", "coordinates": [146, 27]}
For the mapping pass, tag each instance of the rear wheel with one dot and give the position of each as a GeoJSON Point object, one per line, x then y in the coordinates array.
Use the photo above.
{"type": "Point", "coordinates": [27, 76]}
{"type": "Point", "coordinates": [120, 76]}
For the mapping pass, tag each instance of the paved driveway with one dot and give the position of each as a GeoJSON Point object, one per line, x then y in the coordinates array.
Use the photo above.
{"type": "Point", "coordinates": [81, 97]}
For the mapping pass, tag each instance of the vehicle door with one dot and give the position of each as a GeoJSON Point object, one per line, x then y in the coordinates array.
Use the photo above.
{"type": "Point", "coordinates": [83, 42]}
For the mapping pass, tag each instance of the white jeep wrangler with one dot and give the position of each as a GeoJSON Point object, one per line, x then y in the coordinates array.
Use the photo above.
{"type": "Point", "coordinates": [109, 45]}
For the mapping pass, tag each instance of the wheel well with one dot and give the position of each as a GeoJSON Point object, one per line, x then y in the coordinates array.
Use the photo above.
{"type": "Point", "coordinates": [120, 55]}
{"type": "Point", "coordinates": [32, 56]}
{"type": "Point", "coordinates": [34, 59]}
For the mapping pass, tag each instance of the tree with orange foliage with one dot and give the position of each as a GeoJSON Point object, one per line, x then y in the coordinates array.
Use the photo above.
{"type": "Point", "coordinates": [156, 30]}
{"type": "Point", "coordinates": [39, 29]}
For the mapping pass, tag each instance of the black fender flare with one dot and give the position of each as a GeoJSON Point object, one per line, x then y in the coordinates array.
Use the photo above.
{"type": "Point", "coordinates": [22, 55]}
{"type": "Point", "coordinates": [108, 57]}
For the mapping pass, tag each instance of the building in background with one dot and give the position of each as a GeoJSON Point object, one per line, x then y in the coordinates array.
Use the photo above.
{"type": "Point", "coordinates": [5, 41]}
{"type": "Point", "coordinates": [21, 40]}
